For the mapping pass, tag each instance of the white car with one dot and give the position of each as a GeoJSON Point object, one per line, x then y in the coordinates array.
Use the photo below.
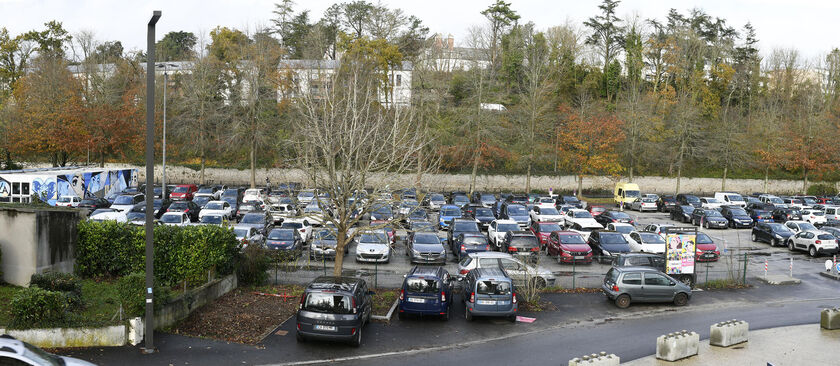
{"type": "Point", "coordinates": [314, 214]}
{"type": "Point", "coordinates": [497, 230]}
{"type": "Point", "coordinates": [815, 242]}
{"type": "Point", "coordinates": [832, 213]}
{"type": "Point", "coordinates": [797, 226]}
{"type": "Point", "coordinates": [644, 204]}
{"type": "Point", "coordinates": [585, 229]}
{"type": "Point", "coordinates": [125, 202]}
{"type": "Point", "coordinates": [710, 203]}
{"type": "Point", "coordinates": [68, 201]}
{"type": "Point", "coordinates": [813, 216]}
{"type": "Point", "coordinates": [175, 219]}
{"type": "Point", "coordinates": [108, 214]}
{"type": "Point", "coordinates": [659, 229]}
{"type": "Point", "coordinates": [546, 202]}
{"type": "Point", "coordinates": [373, 246]}
{"type": "Point", "coordinates": [15, 352]}
{"type": "Point", "coordinates": [542, 214]}
{"type": "Point", "coordinates": [301, 224]}
{"type": "Point", "coordinates": [624, 229]}
{"type": "Point", "coordinates": [304, 197]}
{"type": "Point", "coordinates": [731, 198]}
{"type": "Point", "coordinates": [222, 208]}
{"type": "Point", "coordinates": [435, 201]}
{"type": "Point", "coordinates": [253, 194]}
{"type": "Point", "coordinates": [580, 217]}
{"type": "Point", "coordinates": [248, 235]}
{"type": "Point", "coordinates": [647, 242]}
{"type": "Point", "coordinates": [281, 211]}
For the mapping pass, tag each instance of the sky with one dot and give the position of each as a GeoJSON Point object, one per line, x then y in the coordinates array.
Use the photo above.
{"type": "Point", "coordinates": [807, 25]}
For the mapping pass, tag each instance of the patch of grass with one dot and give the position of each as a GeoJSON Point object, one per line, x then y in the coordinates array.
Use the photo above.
{"type": "Point", "coordinates": [7, 292]}
{"type": "Point", "coordinates": [598, 200]}
{"type": "Point", "coordinates": [99, 305]}
{"type": "Point", "coordinates": [289, 290]}
{"type": "Point", "coordinates": [383, 299]}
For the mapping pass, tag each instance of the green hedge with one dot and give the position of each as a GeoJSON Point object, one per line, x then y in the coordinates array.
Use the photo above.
{"type": "Point", "coordinates": [132, 294]}
{"type": "Point", "coordinates": [66, 283]}
{"type": "Point", "coordinates": [821, 189]}
{"type": "Point", "coordinates": [253, 266]}
{"type": "Point", "coordinates": [35, 307]}
{"type": "Point", "coordinates": [110, 249]}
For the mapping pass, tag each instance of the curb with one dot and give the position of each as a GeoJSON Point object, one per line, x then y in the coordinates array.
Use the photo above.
{"type": "Point", "coordinates": [387, 318]}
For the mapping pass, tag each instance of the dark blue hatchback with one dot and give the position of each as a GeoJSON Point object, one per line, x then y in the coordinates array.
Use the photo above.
{"type": "Point", "coordinates": [426, 291]}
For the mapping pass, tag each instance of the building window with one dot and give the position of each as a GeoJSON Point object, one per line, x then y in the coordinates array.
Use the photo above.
{"type": "Point", "coordinates": [16, 189]}
{"type": "Point", "coordinates": [24, 187]}
{"type": "Point", "coordinates": [399, 80]}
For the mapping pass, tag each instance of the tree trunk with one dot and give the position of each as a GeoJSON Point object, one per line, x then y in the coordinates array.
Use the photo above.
{"type": "Point", "coordinates": [556, 142]}
{"type": "Point", "coordinates": [528, 179]}
{"type": "Point", "coordinates": [679, 175]}
{"type": "Point", "coordinates": [631, 173]}
{"type": "Point", "coordinates": [723, 182]}
{"type": "Point", "coordinates": [253, 164]}
{"type": "Point", "coordinates": [474, 172]}
{"type": "Point", "coordinates": [580, 186]}
{"type": "Point", "coordinates": [341, 242]}
{"type": "Point", "coordinates": [203, 163]}
{"type": "Point", "coordinates": [804, 181]}
{"type": "Point", "coordinates": [419, 178]}
{"type": "Point", "coordinates": [766, 177]}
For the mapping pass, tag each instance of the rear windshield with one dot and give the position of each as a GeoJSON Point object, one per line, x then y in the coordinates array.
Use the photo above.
{"type": "Point", "coordinates": [734, 197]}
{"type": "Point", "coordinates": [253, 219]}
{"type": "Point", "coordinates": [466, 226]}
{"type": "Point", "coordinates": [437, 198]}
{"type": "Point", "coordinates": [825, 237]}
{"type": "Point", "coordinates": [124, 200]}
{"type": "Point", "coordinates": [282, 235]}
{"type": "Point", "coordinates": [426, 239]}
{"type": "Point", "coordinates": [652, 238]}
{"type": "Point", "coordinates": [178, 206]}
{"type": "Point", "coordinates": [738, 212]}
{"type": "Point", "coordinates": [291, 225]}
{"type": "Point", "coordinates": [465, 262]}
{"type": "Point", "coordinates": [373, 238]}
{"type": "Point", "coordinates": [704, 239]}
{"type": "Point", "coordinates": [507, 227]}
{"type": "Point", "coordinates": [620, 215]}
{"type": "Point", "coordinates": [171, 219]}
{"type": "Point", "coordinates": [587, 215]}
{"type": "Point", "coordinates": [240, 233]}
{"type": "Point", "coordinates": [523, 241]}
{"type": "Point", "coordinates": [484, 212]}
{"type": "Point", "coordinates": [423, 286]}
{"type": "Point", "coordinates": [516, 210]}
{"type": "Point", "coordinates": [211, 219]}
{"type": "Point", "coordinates": [547, 228]}
{"type": "Point", "coordinates": [475, 240]}
{"type": "Point", "coordinates": [450, 212]}
{"type": "Point", "coordinates": [493, 288]}
{"type": "Point", "coordinates": [571, 239]}
{"type": "Point", "coordinates": [612, 238]}
{"type": "Point", "coordinates": [331, 303]}
{"type": "Point", "coordinates": [214, 206]}
{"type": "Point", "coordinates": [624, 229]}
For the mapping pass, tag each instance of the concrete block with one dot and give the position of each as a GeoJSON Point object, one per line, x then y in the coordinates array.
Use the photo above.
{"type": "Point", "coordinates": [601, 359]}
{"type": "Point", "coordinates": [112, 336]}
{"type": "Point", "coordinates": [676, 346]}
{"type": "Point", "coordinates": [136, 331]}
{"type": "Point", "coordinates": [830, 319]}
{"type": "Point", "coordinates": [725, 334]}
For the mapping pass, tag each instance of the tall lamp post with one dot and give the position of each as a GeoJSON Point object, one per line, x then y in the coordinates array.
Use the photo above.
{"type": "Point", "coordinates": [150, 179]}
{"type": "Point", "coordinates": [165, 82]}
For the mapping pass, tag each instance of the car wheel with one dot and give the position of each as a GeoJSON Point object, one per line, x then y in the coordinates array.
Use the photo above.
{"type": "Point", "coordinates": [538, 283]}
{"type": "Point", "coordinates": [401, 316]}
{"type": "Point", "coordinates": [706, 224]}
{"type": "Point", "coordinates": [774, 242]}
{"type": "Point", "coordinates": [753, 237]}
{"type": "Point", "coordinates": [445, 316]}
{"type": "Point", "coordinates": [299, 337]}
{"type": "Point", "coordinates": [790, 245]}
{"type": "Point", "coordinates": [622, 301]}
{"type": "Point", "coordinates": [680, 299]}
{"type": "Point", "coordinates": [357, 341]}
{"type": "Point", "coordinates": [512, 318]}
{"type": "Point", "coordinates": [812, 251]}
{"type": "Point", "coordinates": [687, 280]}
{"type": "Point", "coordinates": [468, 314]}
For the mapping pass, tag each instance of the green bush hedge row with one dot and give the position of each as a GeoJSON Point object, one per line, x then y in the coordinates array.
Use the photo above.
{"type": "Point", "coordinates": [35, 307]}
{"type": "Point", "coordinates": [821, 189]}
{"type": "Point", "coordinates": [132, 294]}
{"type": "Point", "coordinates": [66, 283]}
{"type": "Point", "coordinates": [111, 249]}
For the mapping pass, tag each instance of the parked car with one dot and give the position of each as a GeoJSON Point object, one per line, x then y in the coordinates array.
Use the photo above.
{"type": "Point", "coordinates": [183, 192]}
{"type": "Point", "coordinates": [626, 285]}
{"type": "Point", "coordinates": [425, 247]}
{"type": "Point", "coordinates": [520, 271]}
{"type": "Point", "coordinates": [572, 201]}
{"type": "Point", "coordinates": [710, 203]}
{"type": "Point", "coordinates": [596, 210]}
{"type": "Point", "coordinates": [247, 235]}
{"type": "Point", "coordinates": [644, 204]}
{"type": "Point", "coordinates": [68, 201]}
{"type": "Point", "coordinates": [334, 309]}
{"type": "Point", "coordinates": [659, 229]}
{"type": "Point", "coordinates": [434, 201]}
{"type": "Point", "coordinates": [772, 233]}
{"type": "Point", "coordinates": [606, 244]}
{"type": "Point", "coordinates": [773, 200]}
{"type": "Point", "coordinates": [93, 203]}
{"type": "Point", "coordinates": [581, 217]}
{"type": "Point", "coordinates": [523, 244]}
{"type": "Point", "coordinates": [202, 200]}
{"type": "Point", "coordinates": [516, 213]}
{"type": "Point", "coordinates": [426, 291]}
{"type": "Point", "coordinates": [484, 216]}
{"type": "Point", "coordinates": [569, 247]}
{"type": "Point", "coordinates": [160, 206]}
{"type": "Point", "coordinates": [799, 225]}
{"type": "Point", "coordinates": [688, 200]}
{"type": "Point", "coordinates": [217, 208]}
{"type": "Point", "coordinates": [216, 220]}
{"type": "Point", "coordinates": [212, 191]}
{"type": "Point", "coordinates": [288, 240]}
{"type": "Point", "coordinates": [374, 247]}
{"type": "Point", "coordinates": [655, 261]}
{"type": "Point", "coordinates": [447, 214]}
{"type": "Point", "coordinates": [324, 245]}
{"type": "Point", "coordinates": [666, 203]}
{"type": "Point", "coordinates": [647, 242]}
{"type": "Point", "coordinates": [682, 213]}
{"type": "Point", "coordinates": [489, 292]}
{"type": "Point", "coordinates": [708, 218]}
{"type": "Point", "coordinates": [301, 225]}
{"type": "Point", "coordinates": [831, 213]}
{"type": "Point", "coordinates": [459, 226]}
{"type": "Point", "coordinates": [18, 353]}
{"type": "Point", "coordinates": [187, 207]}
{"type": "Point", "coordinates": [731, 198]}
{"type": "Point", "coordinates": [123, 203]}
{"type": "Point", "coordinates": [707, 250]}
{"type": "Point", "coordinates": [545, 214]}
{"type": "Point", "coordinates": [471, 242]}
{"type": "Point", "coordinates": [498, 229]}
{"type": "Point", "coordinates": [460, 200]}
{"type": "Point", "coordinates": [546, 202]}
{"type": "Point", "coordinates": [542, 230]}
{"type": "Point", "coordinates": [624, 229]}
{"type": "Point", "coordinates": [759, 216]}
{"type": "Point", "coordinates": [815, 242]}
{"type": "Point", "coordinates": [737, 217]}
{"type": "Point", "coordinates": [813, 216]}
{"type": "Point", "coordinates": [486, 199]}
{"type": "Point", "coordinates": [614, 216]}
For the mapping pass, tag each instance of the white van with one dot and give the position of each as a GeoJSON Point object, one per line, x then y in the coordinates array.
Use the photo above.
{"type": "Point", "coordinates": [731, 198]}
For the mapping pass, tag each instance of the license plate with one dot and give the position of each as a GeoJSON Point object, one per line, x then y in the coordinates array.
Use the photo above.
{"type": "Point", "coordinates": [416, 300]}
{"type": "Point", "coordinates": [504, 303]}
{"type": "Point", "coordinates": [328, 328]}
{"type": "Point", "coordinates": [579, 257]}
{"type": "Point", "coordinates": [486, 302]}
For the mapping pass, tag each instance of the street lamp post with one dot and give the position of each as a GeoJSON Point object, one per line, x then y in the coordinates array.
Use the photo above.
{"type": "Point", "coordinates": [150, 181]}
{"type": "Point", "coordinates": [165, 82]}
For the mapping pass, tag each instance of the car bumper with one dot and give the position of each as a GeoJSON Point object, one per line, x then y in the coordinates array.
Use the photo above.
{"type": "Point", "coordinates": [574, 258]}
{"type": "Point", "coordinates": [327, 336]}
{"type": "Point", "coordinates": [609, 292]}
{"type": "Point", "coordinates": [707, 257]}
{"type": "Point", "coordinates": [428, 259]}
{"type": "Point", "coordinates": [429, 309]}
{"type": "Point", "coordinates": [742, 225]}
{"type": "Point", "coordinates": [372, 258]}
{"type": "Point", "coordinates": [827, 251]}
{"type": "Point", "coordinates": [717, 225]}
{"type": "Point", "coordinates": [513, 311]}
{"type": "Point", "coordinates": [323, 253]}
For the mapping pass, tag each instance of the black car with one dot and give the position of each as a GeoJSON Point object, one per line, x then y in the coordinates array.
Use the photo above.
{"type": "Point", "coordinates": [571, 201]}
{"type": "Point", "coordinates": [484, 216]}
{"type": "Point", "coordinates": [614, 216]}
{"type": "Point", "coordinates": [94, 203]}
{"type": "Point", "coordinates": [460, 226]}
{"type": "Point", "coordinates": [201, 201]}
{"type": "Point", "coordinates": [608, 244]}
{"type": "Point", "coordinates": [688, 200]}
{"type": "Point", "coordinates": [466, 243]}
{"type": "Point", "coordinates": [522, 243]}
{"type": "Point", "coordinates": [486, 199]}
{"type": "Point", "coordinates": [187, 207]}
{"type": "Point", "coordinates": [737, 217]}
{"type": "Point", "coordinates": [262, 221]}
{"type": "Point", "coordinates": [666, 203]}
{"type": "Point", "coordinates": [334, 309]}
{"type": "Point", "coordinates": [519, 199]}
{"type": "Point", "coordinates": [161, 206]}
{"type": "Point", "coordinates": [770, 232]}
{"type": "Point", "coordinates": [425, 247]}
{"type": "Point", "coordinates": [285, 240]}
{"type": "Point", "coordinates": [708, 218]}
{"type": "Point", "coordinates": [785, 214]}
{"type": "Point", "coordinates": [682, 213]}
{"type": "Point", "coordinates": [246, 208]}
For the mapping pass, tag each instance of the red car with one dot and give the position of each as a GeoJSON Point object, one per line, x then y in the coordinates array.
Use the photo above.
{"type": "Point", "coordinates": [569, 247]}
{"type": "Point", "coordinates": [541, 229]}
{"type": "Point", "coordinates": [707, 250]}
{"type": "Point", "coordinates": [183, 192]}
{"type": "Point", "coordinates": [597, 210]}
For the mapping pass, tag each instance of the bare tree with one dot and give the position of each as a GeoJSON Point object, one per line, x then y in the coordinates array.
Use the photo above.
{"type": "Point", "coordinates": [537, 89]}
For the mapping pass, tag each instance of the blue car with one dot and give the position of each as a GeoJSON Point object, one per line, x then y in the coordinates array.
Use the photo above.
{"type": "Point", "coordinates": [426, 291]}
{"type": "Point", "coordinates": [448, 213]}
{"type": "Point", "coordinates": [761, 216]}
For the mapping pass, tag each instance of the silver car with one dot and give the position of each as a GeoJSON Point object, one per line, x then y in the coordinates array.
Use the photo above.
{"type": "Point", "coordinates": [643, 284]}
{"type": "Point", "coordinates": [517, 269]}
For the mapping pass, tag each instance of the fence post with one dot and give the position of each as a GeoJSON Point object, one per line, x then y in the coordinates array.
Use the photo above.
{"type": "Point", "coordinates": [375, 274]}
{"type": "Point", "coordinates": [707, 273]}
{"type": "Point", "coordinates": [765, 269]}
{"type": "Point", "coordinates": [744, 280]}
{"type": "Point", "coordinates": [791, 267]}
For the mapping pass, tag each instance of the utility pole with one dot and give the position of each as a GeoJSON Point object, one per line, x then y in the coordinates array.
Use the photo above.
{"type": "Point", "coordinates": [150, 179]}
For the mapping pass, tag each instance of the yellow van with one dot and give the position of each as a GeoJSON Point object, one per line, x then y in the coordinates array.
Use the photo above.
{"type": "Point", "coordinates": [626, 193]}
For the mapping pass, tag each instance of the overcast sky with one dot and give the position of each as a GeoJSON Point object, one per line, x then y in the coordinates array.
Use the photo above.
{"type": "Point", "coordinates": [808, 25]}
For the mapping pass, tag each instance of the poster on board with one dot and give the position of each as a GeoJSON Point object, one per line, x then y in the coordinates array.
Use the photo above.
{"type": "Point", "coordinates": [679, 253]}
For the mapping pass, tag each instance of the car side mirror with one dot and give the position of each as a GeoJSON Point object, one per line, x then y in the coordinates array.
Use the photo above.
{"type": "Point", "coordinates": [673, 283]}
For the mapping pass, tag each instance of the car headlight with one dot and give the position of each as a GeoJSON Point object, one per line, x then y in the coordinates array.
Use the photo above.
{"type": "Point", "coordinates": [606, 252]}
{"type": "Point", "coordinates": [777, 236]}
{"type": "Point", "coordinates": [443, 252]}
{"type": "Point", "coordinates": [415, 252]}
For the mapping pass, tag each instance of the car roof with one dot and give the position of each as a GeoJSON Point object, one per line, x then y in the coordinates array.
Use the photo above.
{"type": "Point", "coordinates": [334, 283]}
{"type": "Point", "coordinates": [424, 271]}
{"type": "Point", "coordinates": [621, 224]}
{"type": "Point", "coordinates": [11, 345]}
{"type": "Point", "coordinates": [506, 221]}
{"type": "Point", "coordinates": [636, 269]}
{"type": "Point", "coordinates": [496, 272]}
{"type": "Point", "coordinates": [490, 255]}
{"type": "Point", "coordinates": [520, 233]}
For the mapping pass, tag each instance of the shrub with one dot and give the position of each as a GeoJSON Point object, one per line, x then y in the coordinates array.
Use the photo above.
{"type": "Point", "coordinates": [65, 283]}
{"type": "Point", "coordinates": [253, 266]}
{"type": "Point", "coordinates": [821, 189]}
{"type": "Point", "coordinates": [35, 307]}
{"type": "Point", "coordinates": [131, 290]}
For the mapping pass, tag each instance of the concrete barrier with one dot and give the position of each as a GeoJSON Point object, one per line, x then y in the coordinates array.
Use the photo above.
{"type": "Point", "coordinates": [676, 346]}
{"type": "Point", "coordinates": [181, 306]}
{"type": "Point", "coordinates": [136, 331]}
{"type": "Point", "coordinates": [725, 334]}
{"type": "Point", "coordinates": [830, 319]}
{"type": "Point", "coordinates": [601, 359]}
{"type": "Point", "coordinates": [112, 336]}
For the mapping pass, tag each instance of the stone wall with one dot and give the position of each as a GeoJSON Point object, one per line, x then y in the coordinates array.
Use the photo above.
{"type": "Point", "coordinates": [181, 306]}
{"type": "Point", "coordinates": [494, 183]}
{"type": "Point", "coordinates": [36, 241]}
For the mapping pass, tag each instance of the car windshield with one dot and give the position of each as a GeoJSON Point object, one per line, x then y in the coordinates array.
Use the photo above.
{"type": "Point", "coordinates": [282, 234]}
{"type": "Point", "coordinates": [712, 200]}
{"type": "Point", "coordinates": [809, 201]}
{"type": "Point", "coordinates": [775, 200]}
{"type": "Point", "coordinates": [704, 239]}
{"type": "Point", "coordinates": [779, 228]}
{"type": "Point", "coordinates": [549, 227]}
{"type": "Point", "coordinates": [211, 219]}
{"type": "Point", "coordinates": [450, 212]}
{"type": "Point", "coordinates": [651, 238]}
{"type": "Point", "coordinates": [229, 200]}
{"type": "Point", "coordinates": [437, 198]}
{"type": "Point", "coordinates": [759, 212]}
{"type": "Point", "coordinates": [39, 356]}
{"type": "Point", "coordinates": [571, 239]}
{"type": "Point", "coordinates": [460, 199]}
{"type": "Point", "coordinates": [516, 210]}
{"type": "Point", "coordinates": [484, 212]}
{"type": "Point", "coordinates": [466, 226]}
{"type": "Point", "coordinates": [178, 206]}
{"type": "Point", "coordinates": [507, 227]}
{"type": "Point", "coordinates": [371, 238]}
{"type": "Point", "coordinates": [422, 285]}
{"type": "Point", "coordinates": [87, 202]}
{"type": "Point", "coordinates": [214, 206]}
{"type": "Point", "coordinates": [422, 226]}
{"type": "Point", "coordinates": [248, 207]}
{"type": "Point", "coordinates": [523, 241]}
{"type": "Point", "coordinates": [124, 200]}
{"type": "Point", "coordinates": [180, 190]}
{"type": "Point", "coordinates": [65, 199]}
{"type": "Point", "coordinates": [547, 200]}
{"type": "Point", "coordinates": [624, 229]}
{"type": "Point", "coordinates": [586, 215]}
{"type": "Point", "coordinates": [734, 197]}
{"type": "Point", "coordinates": [692, 199]}
{"type": "Point", "coordinates": [738, 212]}
{"type": "Point", "coordinates": [240, 232]}
{"type": "Point", "coordinates": [596, 209]}
{"type": "Point", "coordinates": [572, 199]}
{"type": "Point", "coordinates": [620, 215]}
{"type": "Point", "coordinates": [200, 200]}
{"type": "Point", "coordinates": [171, 219]}
{"type": "Point", "coordinates": [204, 190]}
{"type": "Point", "coordinates": [231, 192]}
{"type": "Point", "coordinates": [475, 240]}
{"type": "Point", "coordinates": [713, 213]}
{"type": "Point", "coordinates": [330, 303]}
{"type": "Point", "coordinates": [493, 288]}
{"type": "Point", "coordinates": [805, 226]}
{"type": "Point", "coordinates": [612, 238]}
{"type": "Point", "coordinates": [253, 219]}
{"type": "Point", "coordinates": [408, 204]}
{"type": "Point", "coordinates": [312, 209]}
{"type": "Point", "coordinates": [306, 195]}
{"type": "Point", "coordinates": [817, 213]}
{"type": "Point", "coordinates": [426, 238]}
{"type": "Point", "coordinates": [549, 211]}
{"type": "Point", "coordinates": [632, 194]}
{"type": "Point", "coordinates": [291, 225]}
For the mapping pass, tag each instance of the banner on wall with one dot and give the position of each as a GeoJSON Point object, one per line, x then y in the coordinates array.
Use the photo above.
{"type": "Point", "coordinates": [679, 253]}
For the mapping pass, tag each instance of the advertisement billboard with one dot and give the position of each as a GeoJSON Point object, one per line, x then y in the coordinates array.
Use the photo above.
{"type": "Point", "coordinates": [679, 253]}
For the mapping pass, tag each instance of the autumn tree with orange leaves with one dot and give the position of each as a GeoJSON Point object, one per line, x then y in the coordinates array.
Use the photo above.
{"type": "Point", "coordinates": [588, 144]}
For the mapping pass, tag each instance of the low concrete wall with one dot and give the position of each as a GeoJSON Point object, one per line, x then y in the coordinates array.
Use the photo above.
{"type": "Point", "coordinates": [36, 241]}
{"type": "Point", "coordinates": [494, 183]}
{"type": "Point", "coordinates": [112, 336]}
{"type": "Point", "coordinates": [181, 306]}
